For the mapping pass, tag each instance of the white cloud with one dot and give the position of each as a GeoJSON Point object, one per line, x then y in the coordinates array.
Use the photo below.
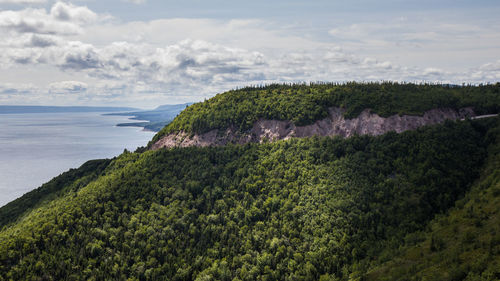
{"type": "Point", "coordinates": [420, 40]}
{"type": "Point", "coordinates": [69, 12]}
{"type": "Point", "coordinates": [135, 1]}
{"type": "Point", "coordinates": [36, 21]}
{"type": "Point", "coordinates": [42, 41]}
{"type": "Point", "coordinates": [19, 93]}
{"type": "Point", "coordinates": [486, 72]}
{"type": "Point", "coordinates": [127, 71]}
{"type": "Point", "coordinates": [251, 34]}
{"type": "Point", "coordinates": [403, 31]}
{"type": "Point", "coordinates": [433, 71]}
{"type": "Point", "coordinates": [63, 19]}
{"type": "Point", "coordinates": [91, 60]}
{"type": "Point", "coordinates": [11, 88]}
{"type": "Point", "coordinates": [68, 87]}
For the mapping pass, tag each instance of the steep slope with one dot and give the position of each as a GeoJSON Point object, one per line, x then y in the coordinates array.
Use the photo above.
{"type": "Point", "coordinates": [282, 111]}
{"type": "Point", "coordinates": [335, 124]}
{"type": "Point", "coordinates": [463, 244]}
{"type": "Point", "coordinates": [72, 179]}
{"type": "Point", "coordinates": [302, 209]}
{"type": "Point", "coordinates": [312, 208]}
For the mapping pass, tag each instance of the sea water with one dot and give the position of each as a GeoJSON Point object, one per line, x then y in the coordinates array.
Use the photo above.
{"type": "Point", "coordinates": [35, 147]}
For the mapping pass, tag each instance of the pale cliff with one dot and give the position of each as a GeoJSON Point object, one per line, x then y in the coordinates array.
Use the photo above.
{"type": "Point", "coordinates": [367, 123]}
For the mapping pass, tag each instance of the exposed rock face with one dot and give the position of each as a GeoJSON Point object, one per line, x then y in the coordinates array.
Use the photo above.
{"type": "Point", "coordinates": [335, 124]}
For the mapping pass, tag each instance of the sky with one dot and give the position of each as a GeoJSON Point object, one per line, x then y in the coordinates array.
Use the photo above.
{"type": "Point", "coordinates": [145, 53]}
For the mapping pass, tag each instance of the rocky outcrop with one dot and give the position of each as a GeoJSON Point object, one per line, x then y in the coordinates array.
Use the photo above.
{"type": "Point", "coordinates": [367, 123]}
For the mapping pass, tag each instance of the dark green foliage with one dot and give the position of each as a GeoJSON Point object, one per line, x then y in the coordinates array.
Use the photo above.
{"type": "Point", "coordinates": [464, 243]}
{"type": "Point", "coordinates": [74, 178]}
{"type": "Point", "coordinates": [303, 104]}
{"type": "Point", "coordinates": [302, 209]}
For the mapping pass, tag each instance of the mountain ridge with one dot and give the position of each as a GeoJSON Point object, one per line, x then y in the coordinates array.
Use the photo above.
{"type": "Point", "coordinates": [311, 208]}
{"type": "Point", "coordinates": [304, 104]}
{"type": "Point", "coordinates": [335, 124]}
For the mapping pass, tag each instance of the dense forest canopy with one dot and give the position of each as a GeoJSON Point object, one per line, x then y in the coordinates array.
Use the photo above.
{"type": "Point", "coordinates": [305, 103]}
{"type": "Point", "coordinates": [303, 209]}
{"type": "Point", "coordinates": [420, 205]}
{"type": "Point", "coordinates": [462, 244]}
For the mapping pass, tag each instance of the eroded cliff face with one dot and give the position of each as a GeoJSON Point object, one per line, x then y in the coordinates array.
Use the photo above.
{"type": "Point", "coordinates": [335, 124]}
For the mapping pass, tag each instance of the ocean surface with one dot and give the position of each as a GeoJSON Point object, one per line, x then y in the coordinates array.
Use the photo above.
{"type": "Point", "coordinates": [35, 147]}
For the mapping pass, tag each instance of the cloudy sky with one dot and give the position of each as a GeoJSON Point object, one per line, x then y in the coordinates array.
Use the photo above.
{"type": "Point", "coordinates": [144, 53]}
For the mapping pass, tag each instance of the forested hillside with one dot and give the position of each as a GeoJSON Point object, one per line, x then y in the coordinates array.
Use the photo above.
{"type": "Point", "coordinates": [303, 104]}
{"type": "Point", "coordinates": [463, 244]}
{"type": "Point", "coordinates": [58, 186]}
{"type": "Point", "coordinates": [308, 209]}
{"type": "Point", "coordinates": [420, 205]}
